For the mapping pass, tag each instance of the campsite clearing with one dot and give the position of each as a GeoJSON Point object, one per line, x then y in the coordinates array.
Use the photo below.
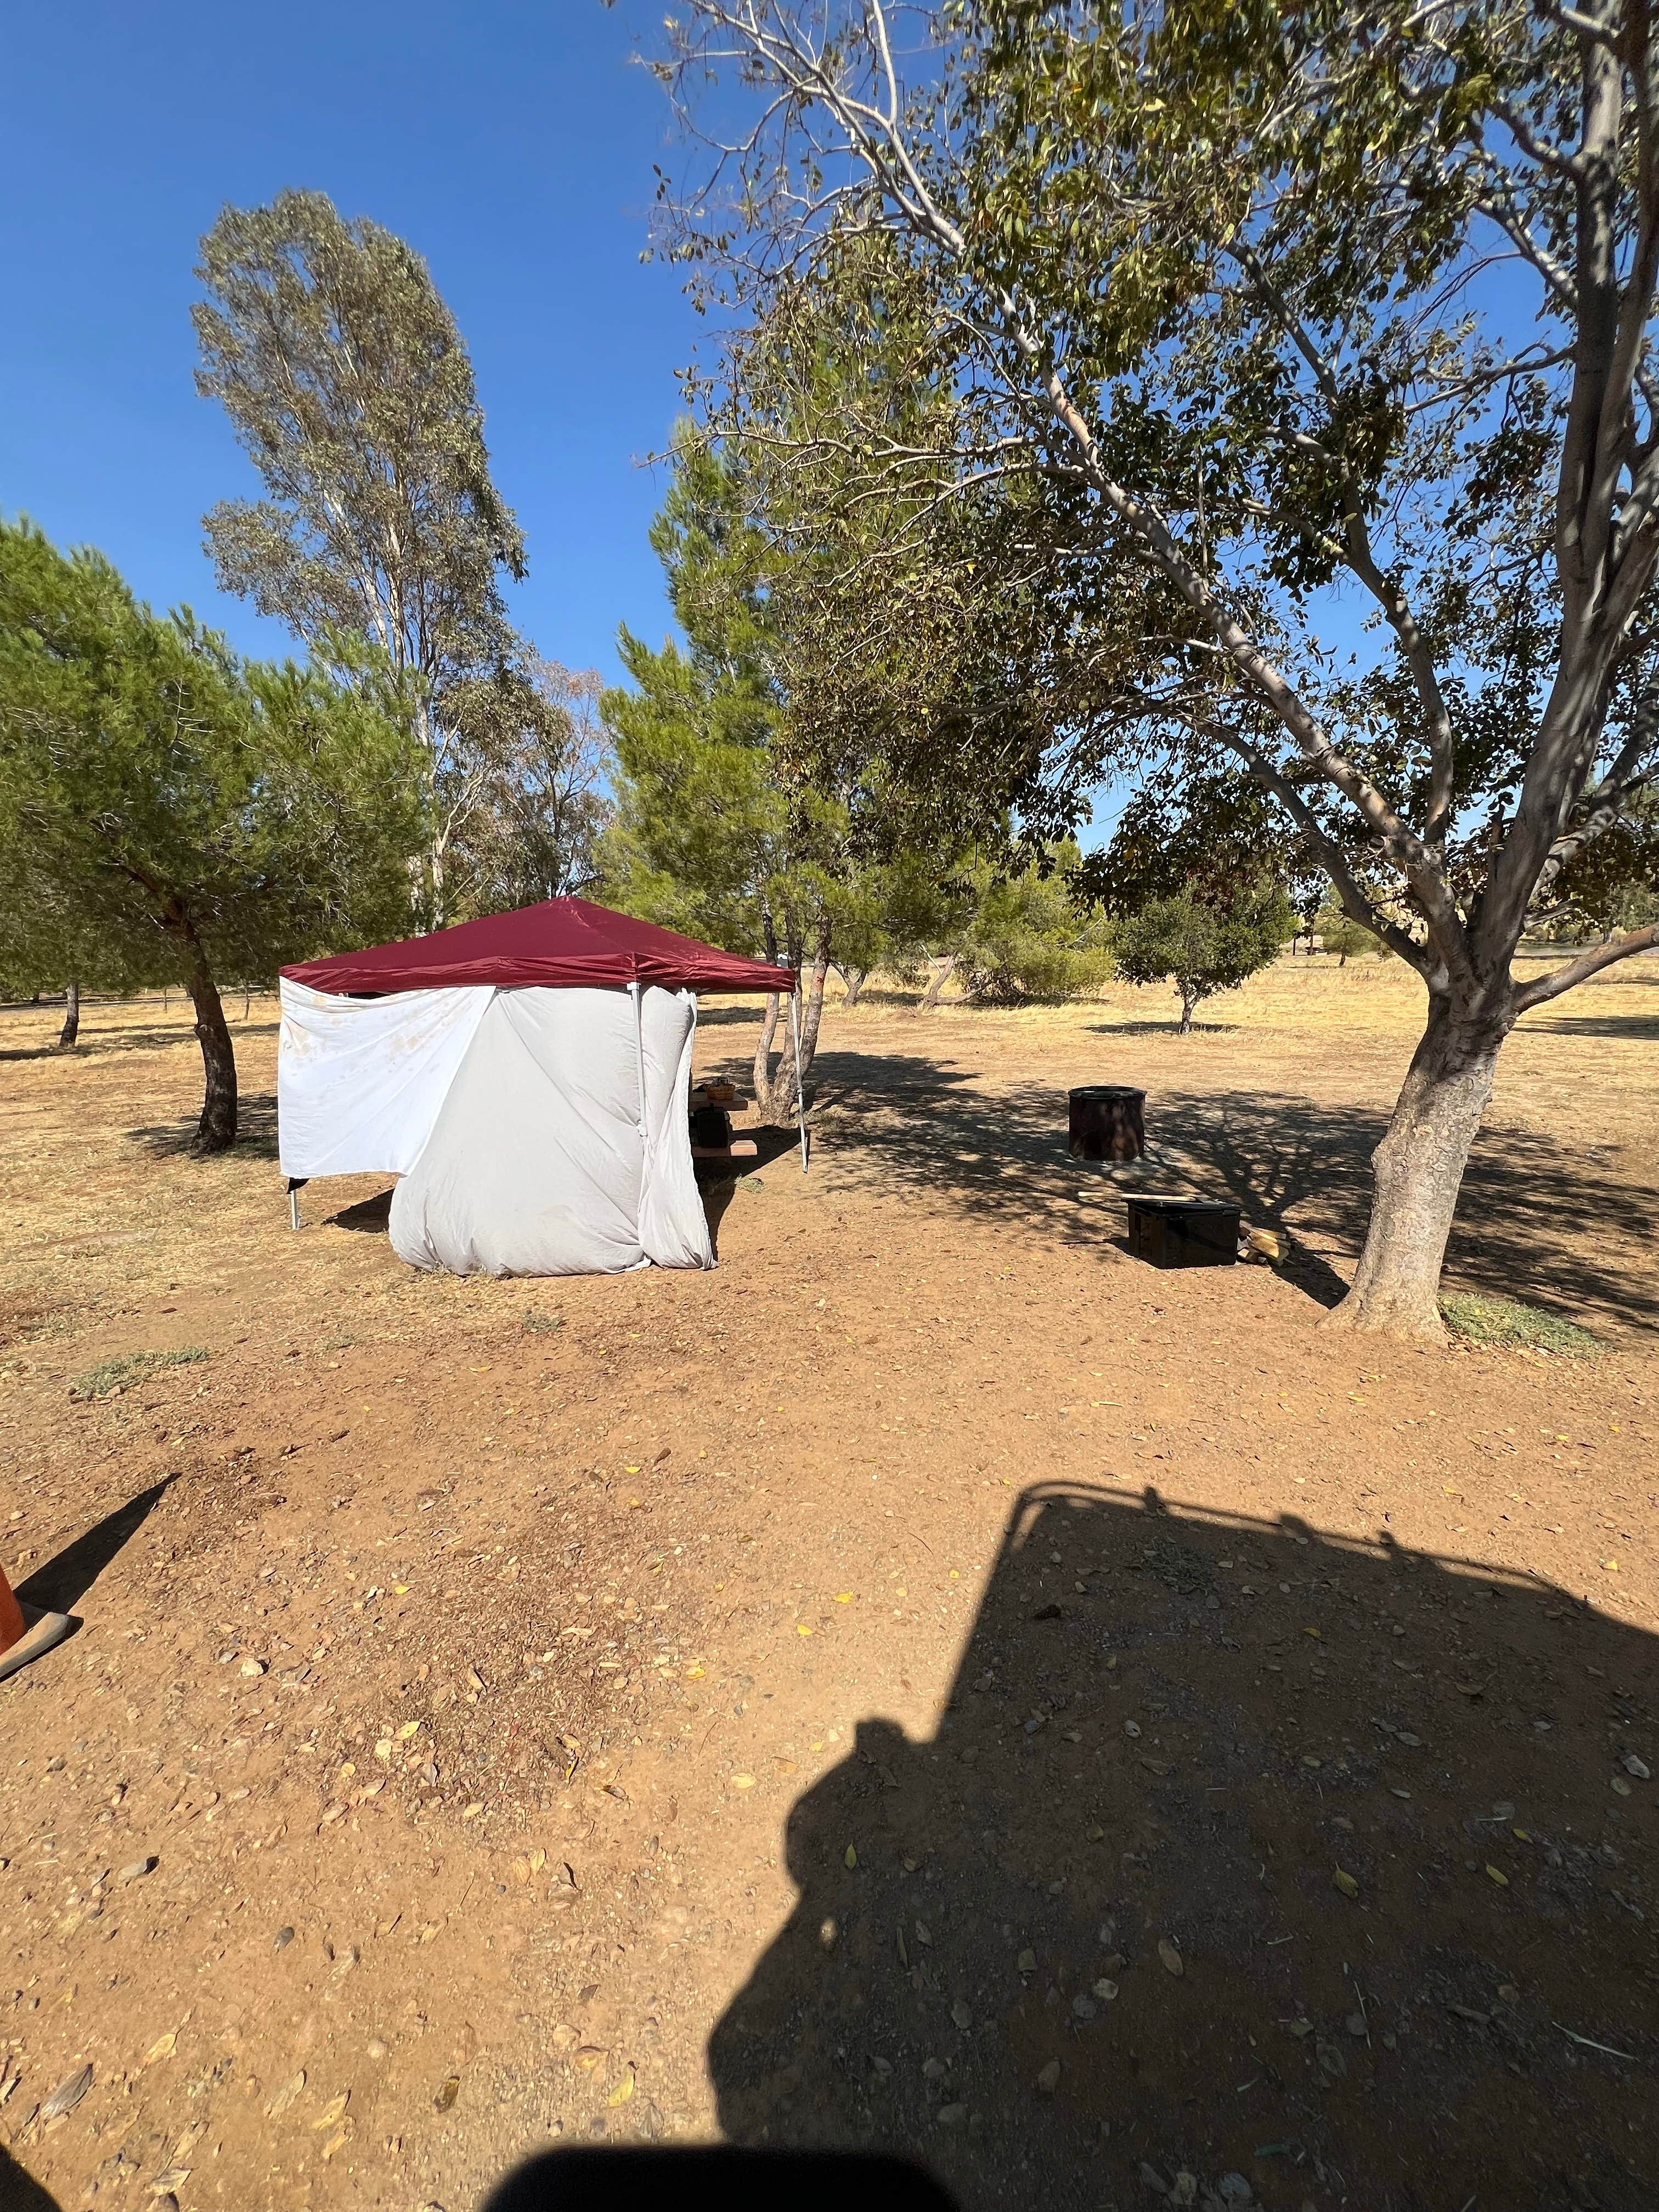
{"type": "Point", "coordinates": [620, 1708]}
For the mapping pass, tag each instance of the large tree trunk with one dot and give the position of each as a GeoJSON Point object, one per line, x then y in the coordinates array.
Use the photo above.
{"type": "Point", "coordinates": [1419, 1171]}
{"type": "Point", "coordinates": [71, 1028]}
{"type": "Point", "coordinates": [217, 1130]}
{"type": "Point", "coordinates": [855, 979]}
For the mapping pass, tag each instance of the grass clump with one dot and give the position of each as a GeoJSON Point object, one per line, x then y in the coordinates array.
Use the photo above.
{"type": "Point", "coordinates": [111, 1375]}
{"type": "Point", "coordinates": [1509, 1324]}
{"type": "Point", "coordinates": [541, 1324]}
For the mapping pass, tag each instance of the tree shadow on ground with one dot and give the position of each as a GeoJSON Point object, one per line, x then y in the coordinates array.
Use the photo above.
{"type": "Point", "coordinates": [61, 1583]}
{"type": "Point", "coordinates": [1632, 1028]}
{"type": "Point", "coordinates": [719, 1184]}
{"type": "Point", "coordinates": [1535, 1220]}
{"type": "Point", "coordinates": [93, 1044]}
{"type": "Point", "coordinates": [1295, 1864]}
{"type": "Point", "coordinates": [1143, 1027]}
{"type": "Point", "coordinates": [255, 1131]}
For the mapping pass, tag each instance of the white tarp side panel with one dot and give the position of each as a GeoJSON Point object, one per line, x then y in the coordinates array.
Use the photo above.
{"type": "Point", "coordinates": [533, 1167]}
{"type": "Point", "coordinates": [360, 1081]}
{"type": "Point", "coordinates": [673, 1227]}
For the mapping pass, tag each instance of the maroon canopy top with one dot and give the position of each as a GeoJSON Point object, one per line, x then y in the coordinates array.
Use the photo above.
{"type": "Point", "coordinates": [562, 941]}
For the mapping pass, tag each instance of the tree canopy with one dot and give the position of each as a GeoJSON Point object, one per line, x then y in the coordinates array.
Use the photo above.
{"type": "Point", "coordinates": [1160, 343]}
{"type": "Point", "coordinates": [352, 392]}
{"type": "Point", "coordinates": [712, 835]}
{"type": "Point", "coordinates": [1201, 945]}
{"type": "Point", "coordinates": [178, 813]}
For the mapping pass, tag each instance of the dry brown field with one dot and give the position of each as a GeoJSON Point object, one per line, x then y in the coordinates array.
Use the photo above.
{"type": "Point", "coordinates": [933, 1682]}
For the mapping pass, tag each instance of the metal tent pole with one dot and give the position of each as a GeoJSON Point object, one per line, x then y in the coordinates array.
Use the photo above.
{"type": "Point", "coordinates": [800, 1102]}
{"type": "Point", "coordinates": [639, 1050]}
{"type": "Point", "coordinates": [639, 1066]}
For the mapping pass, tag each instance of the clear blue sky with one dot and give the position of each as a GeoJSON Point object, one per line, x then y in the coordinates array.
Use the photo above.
{"type": "Point", "coordinates": [510, 143]}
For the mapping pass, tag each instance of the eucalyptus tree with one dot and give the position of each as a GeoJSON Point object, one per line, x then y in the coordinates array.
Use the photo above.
{"type": "Point", "coordinates": [351, 391]}
{"type": "Point", "coordinates": [1238, 317]}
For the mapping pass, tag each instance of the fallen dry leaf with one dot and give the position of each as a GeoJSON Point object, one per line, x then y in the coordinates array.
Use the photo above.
{"type": "Point", "coordinates": [68, 2093]}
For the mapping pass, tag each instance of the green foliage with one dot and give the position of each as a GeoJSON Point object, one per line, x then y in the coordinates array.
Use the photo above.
{"type": "Point", "coordinates": [1098, 362]}
{"type": "Point", "coordinates": [351, 391]}
{"type": "Point", "coordinates": [178, 814]}
{"type": "Point", "coordinates": [1202, 948]}
{"type": "Point", "coordinates": [1510, 1325]}
{"type": "Point", "coordinates": [538, 801]}
{"type": "Point", "coordinates": [1026, 936]}
{"type": "Point", "coordinates": [701, 839]}
{"type": "Point", "coordinates": [1345, 940]}
{"type": "Point", "coordinates": [1137, 336]}
{"type": "Point", "coordinates": [712, 835]}
{"type": "Point", "coordinates": [1611, 882]}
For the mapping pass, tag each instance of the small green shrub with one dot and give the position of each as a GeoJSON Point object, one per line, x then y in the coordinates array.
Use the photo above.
{"type": "Point", "coordinates": [113, 1375]}
{"type": "Point", "coordinates": [1507, 1322]}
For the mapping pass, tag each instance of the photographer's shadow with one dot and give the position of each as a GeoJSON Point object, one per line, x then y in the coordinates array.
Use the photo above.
{"type": "Point", "coordinates": [1262, 1867]}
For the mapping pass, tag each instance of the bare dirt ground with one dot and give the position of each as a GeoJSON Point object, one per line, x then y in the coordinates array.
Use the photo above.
{"type": "Point", "coordinates": [934, 1682]}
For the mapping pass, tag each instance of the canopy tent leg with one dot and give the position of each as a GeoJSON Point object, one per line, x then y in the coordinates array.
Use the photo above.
{"type": "Point", "coordinates": [639, 1069]}
{"type": "Point", "coordinates": [800, 1102]}
{"type": "Point", "coordinates": [295, 1185]}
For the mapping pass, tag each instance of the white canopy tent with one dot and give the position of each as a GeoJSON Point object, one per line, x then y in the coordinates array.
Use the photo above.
{"type": "Point", "coordinates": [539, 1128]}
